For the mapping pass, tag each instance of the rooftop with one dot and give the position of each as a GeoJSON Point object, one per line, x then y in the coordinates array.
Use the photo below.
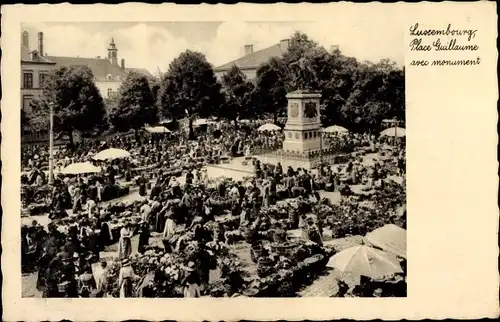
{"type": "Point", "coordinates": [27, 57]}
{"type": "Point", "coordinates": [101, 67]}
{"type": "Point", "coordinates": [253, 60]}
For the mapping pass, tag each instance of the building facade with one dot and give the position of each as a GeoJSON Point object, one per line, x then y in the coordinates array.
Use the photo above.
{"type": "Point", "coordinates": [34, 69]}
{"type": "Point", "coordinates": [36, 65]}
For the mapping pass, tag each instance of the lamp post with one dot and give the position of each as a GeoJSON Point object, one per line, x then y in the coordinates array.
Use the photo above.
{"type": "Point", "coordinates": [321, 147]}
{"type": "Point", "coordinates": [51, 144]}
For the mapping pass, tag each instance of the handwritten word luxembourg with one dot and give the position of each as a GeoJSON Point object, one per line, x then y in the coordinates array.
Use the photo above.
{"type": "Point", "coordinates": [470, 33]}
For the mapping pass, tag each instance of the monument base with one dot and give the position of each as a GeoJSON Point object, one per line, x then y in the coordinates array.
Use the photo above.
{"type": "Point", "coordinates": [310, 160]}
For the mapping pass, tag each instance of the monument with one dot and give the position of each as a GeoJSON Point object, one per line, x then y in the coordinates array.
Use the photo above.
{"type": "Point", "coordinates": [303, 126]}
{"type": "Point", "coordinates": [302, 145]}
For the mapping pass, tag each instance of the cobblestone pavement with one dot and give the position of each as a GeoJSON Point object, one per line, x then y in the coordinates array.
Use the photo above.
{"type": "Point", "coordinates": [324, 286]}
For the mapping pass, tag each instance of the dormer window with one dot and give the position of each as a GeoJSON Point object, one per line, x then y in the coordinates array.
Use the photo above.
{"type": "Point", "coordinates": [118, 78]}
{"type": "Point", "coordinates": [109, 77]}
{"type": "Point", "coordinates": [34, 55]}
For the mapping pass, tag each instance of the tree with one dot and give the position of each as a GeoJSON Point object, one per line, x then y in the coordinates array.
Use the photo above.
{"type": "Point", "coordinates": [270, 92]}
{"type": "Point", "coordinates": [377, 94]}
{"type": "Point", "coordinates": [306, 63]}
{"type": "Point", "coordinates": [135, 105]}
{"type": "Point", "coordinates": [238, 95]}
{"type": "Point", "coordinates": [77, 102]}
{"type": "Point", "coordinates": [189, 88]}
{"type": "Point", "coordinates": [300, 45]}
{"type": "Point", "coordinates": [337, 87]}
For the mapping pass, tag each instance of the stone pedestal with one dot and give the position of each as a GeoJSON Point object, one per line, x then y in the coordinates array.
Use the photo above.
{"type": "Point", "coordinates": [302, 130]}
{"type": "Point", "coordinates": [302, 144]}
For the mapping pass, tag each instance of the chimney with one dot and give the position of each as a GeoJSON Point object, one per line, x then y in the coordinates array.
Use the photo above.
{"type": "Point", "coordinates": [40, 43]}
{"type": "Point", "coordinates": [284, 44]}
{"type": "Point", "coordinates": [248, 49]}
{"type": "Point", "coordinates": [25, 39]}
{"type": "Point", "coordinates": [123, 63]}
{"type": "Point", "coordinates": [334, 48]}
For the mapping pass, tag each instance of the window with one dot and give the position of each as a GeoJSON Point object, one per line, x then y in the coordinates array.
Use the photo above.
{"type": "Point", "coordinates": [108, 77]}
{"type": "Point", "coordinates": [28, 80]}
{"type": "Point", "coordinates": [110, 92]}
{"type": "Point", "coordinates": [42, 78]}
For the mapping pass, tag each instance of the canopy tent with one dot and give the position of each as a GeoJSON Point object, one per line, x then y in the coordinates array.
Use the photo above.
{"type": "Point", "coordinates": [269, 127]}
{"type": "Point", "coordinates": [394, 132]}
{"type": "Point", "coordinates": [199, 122]}
{"type": "Point", "coordinates": [389, 238]}
{"type": "Point", "coordinates": [81, 168]}
{"type": "Point", "coordinates": [157, 129]}
{"type": "Point", "coordinates": [366, 261]}
{"type": "Point", "coordinates": [110, 154]}
{"type": "Point", "coordinates": [335, 129]}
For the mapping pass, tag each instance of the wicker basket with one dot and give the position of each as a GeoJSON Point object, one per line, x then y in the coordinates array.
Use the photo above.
{"type": "Point", "coordinates": [284, 248]}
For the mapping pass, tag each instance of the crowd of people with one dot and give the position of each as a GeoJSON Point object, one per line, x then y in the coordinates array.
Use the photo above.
{"type": "Point", "coordinates": [169, 209]}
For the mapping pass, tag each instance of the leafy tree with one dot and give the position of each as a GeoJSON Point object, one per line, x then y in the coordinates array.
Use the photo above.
{"type": "Point", "coordinates": [299, 46]}
{"type": "Point", "coordinates": [189, 88]}
{"type": "Point", "coordinates": [354, 94]}
{"type": "Point", "coordinates": [238, 95]}
{"type": "Point", "coordinates": [270, 91]}
{"type": "Point", "coordinates": [135, 104]}
{"type": "Point", "coordinates": [77, 102]}
{"type": "Point", "coordinates": [377, 94]}
{"type": "Point", "coordinates": [337, 88]}
{"type": "Point", "coordinates": [307, 59]}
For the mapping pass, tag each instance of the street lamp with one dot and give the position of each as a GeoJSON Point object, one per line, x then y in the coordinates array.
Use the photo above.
{"type": "Point", "coordinates": [51, 143]}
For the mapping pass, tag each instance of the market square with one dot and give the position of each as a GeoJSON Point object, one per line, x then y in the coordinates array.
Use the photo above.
{"type": "Point", "coordinates": [285, 178]}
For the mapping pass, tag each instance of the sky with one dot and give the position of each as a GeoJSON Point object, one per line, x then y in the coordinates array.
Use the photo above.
{"type": "Point", "coordinates": [153, 45]}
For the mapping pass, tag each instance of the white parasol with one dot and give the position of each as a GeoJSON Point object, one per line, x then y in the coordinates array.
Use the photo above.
{"type": "Point", "coordinates": [390, 238]}
{"type": "Point", "coordinates": [394, 132]}
{"type": "Point", "coordinates": [335, 129]}
{"type": "Point", "coordinates": [366, 261]}
{"type": "Point", "coordinates": [110, 154]}
{"type": "Point", "coordinates": [269, 127]}
{"type": "Point", "coordinates": [80, 168]}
